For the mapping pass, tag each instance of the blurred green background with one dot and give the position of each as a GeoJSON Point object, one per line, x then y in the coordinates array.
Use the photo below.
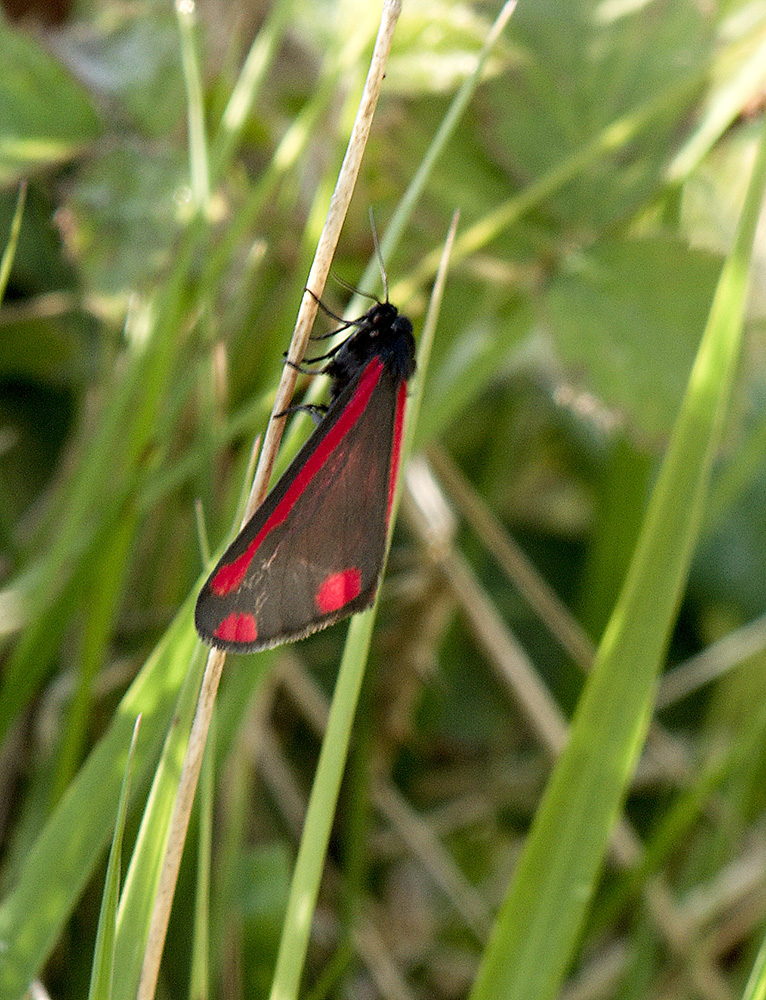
{"type": "Point", "coordinates": [140, 347]}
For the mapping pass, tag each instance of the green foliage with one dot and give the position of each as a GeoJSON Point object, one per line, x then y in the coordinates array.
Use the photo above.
{"type": "Point", "coordinates": [46, 117]}
{"type": "Point", "coordinates": [578, 393]}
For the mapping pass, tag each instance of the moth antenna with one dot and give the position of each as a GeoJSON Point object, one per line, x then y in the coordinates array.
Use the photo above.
{"type": "Point", "coordinates": [379, 255]}
{"type": "Point", "coordinates": [345, 323]}
{"type": "Point", "coordinates": [352, 288]}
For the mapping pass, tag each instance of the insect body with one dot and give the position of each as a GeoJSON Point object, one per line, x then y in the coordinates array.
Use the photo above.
{"type": "Point", "coordinates": [313, 551]}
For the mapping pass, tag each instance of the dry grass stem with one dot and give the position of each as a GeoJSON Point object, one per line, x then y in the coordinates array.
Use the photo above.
{"type": "Point", "coordinates": [320, 268]}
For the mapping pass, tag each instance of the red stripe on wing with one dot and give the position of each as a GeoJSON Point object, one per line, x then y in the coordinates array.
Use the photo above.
{"type": "Point", "coordinates": [396, 448]}
{"type": "Point", "coordinates": [231, 575]}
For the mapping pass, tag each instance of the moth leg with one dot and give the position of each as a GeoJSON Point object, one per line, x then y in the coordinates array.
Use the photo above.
{"type": "Point", "coordinates": [315, 410]}
{"type": "Point", "coordinates": [312, 361]}
{"type": "Point", "coordinates": [297, 367]}
{"type": "Point", "coordinates": [345, 324]}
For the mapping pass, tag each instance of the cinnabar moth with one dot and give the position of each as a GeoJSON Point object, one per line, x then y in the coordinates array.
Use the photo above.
{"type": "Point", "coordinates": [312, 553]}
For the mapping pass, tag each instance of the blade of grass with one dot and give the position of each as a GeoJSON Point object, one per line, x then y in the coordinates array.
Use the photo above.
{"type": "Point", "coordinates": [245, 92]}
{"type": "Point", "coordinates": [198, 154]}
{"type": "Point", "coordinates": [100, 605]}
{"type": "Point", "coordinates": [756, 984]}
{"type": "Point", "coordinates": [539, 921]}
{"type": "Point", "coordinates": [199, 979]}
{"type": "Point", "coordinates": [398, 222]}
{"type": "Point", "coordinates": [144, 871]}
{"type": "Point", "coordinates": [62, 858]}
{"type": "Point", "coordinates": [103, 954]}
{"type": "Point", "coordinates": [13, 239]}
{"type": "Point", "coordinates": [332, 757]}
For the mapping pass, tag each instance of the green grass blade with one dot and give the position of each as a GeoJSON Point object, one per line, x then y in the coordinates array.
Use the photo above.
{"type": "Point", "coordinates": [13, 239]}
{"type": "Point", "coordinates": [539, 921]}
{"type": "Point", "coordinates": [198, 154]}
{"type": "Point", "coordinates": [247, 89]}
{"type": "Point", "coordinates": [143, 874]}
{"type": "Point", "coordinates": [200, 966]}
{"type": "Point", "coordinates": [756, 985]}
{"type": "Point", "coordinates": [103, 955]}
{"type": "Point", "coordinates": [321, 810]}
{"type": "Point", "coordinates": [332, 758]}
{"type": "Point", "coordinates": [103, 590]}
{"type": "Point", "coordinates": [449, 123]}
{"type": "Point", "coordinates": [62, 858]}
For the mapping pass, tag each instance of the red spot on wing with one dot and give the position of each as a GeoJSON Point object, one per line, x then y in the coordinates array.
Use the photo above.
{"type": "Point", "coordinates": [237, 627]}
{"type": "Point", "coordinates": [396, 448]}
{"type": "Point", "coordinates": [338, 589]}
{"type": "Point", "coordinates": [231, 575]}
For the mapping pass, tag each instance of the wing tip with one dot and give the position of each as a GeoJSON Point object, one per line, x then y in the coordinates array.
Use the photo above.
{"type": "Point", "coordinates": [360, 603]}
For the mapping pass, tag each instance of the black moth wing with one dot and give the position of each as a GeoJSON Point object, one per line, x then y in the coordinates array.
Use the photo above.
{"type": "Point", "coordinates": [337, 523]}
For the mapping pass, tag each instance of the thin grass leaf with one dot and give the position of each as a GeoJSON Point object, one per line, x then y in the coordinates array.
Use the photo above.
{"type": "Point", "coordinates": [247, 88]}
{"type": "Point", "coordinates": [756, 984]}
{"type": "Point", "coordinates": [104, 590]}
{"type": "Point", "coordinates": [199, 980]}
{"type": "Point", "coordinates": [142, 878]}
{"type": "Point", "coordinates": [332, 758]}
{"type": "Point", "coordinates": [198, 153]}
{"type": "Point", "coordinates": [449, 123]}
{"type": "Point", "coordinates": [103, 955]}
{"type": "Point", "coordinates": [60, 862]}
{"type": "Point", "coordinates": [539, 921]}
{"type": "Point", "coordinates": [13, 239]}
